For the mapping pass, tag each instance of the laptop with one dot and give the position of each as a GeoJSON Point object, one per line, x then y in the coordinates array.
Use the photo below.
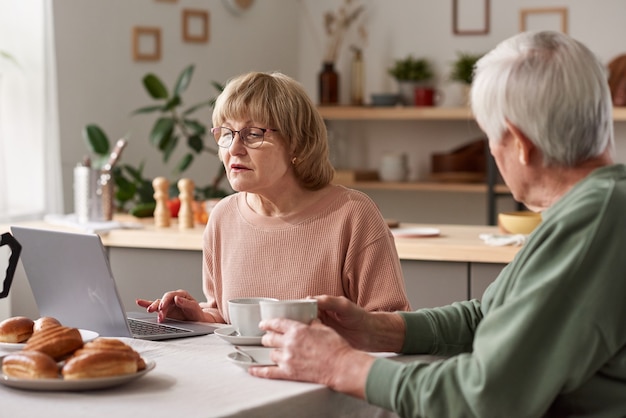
{"type": "Point", "coordinates": [71, 280]}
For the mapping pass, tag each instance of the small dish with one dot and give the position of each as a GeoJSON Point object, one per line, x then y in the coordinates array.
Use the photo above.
{"type": "Point", "coordinates": [415, 232]}
{"type": "Point", "coordinates": [261, 356]}
{"type": "Point", "coordinates": [229, 334]}
{"type": "Point", "coordinates": [85, 333]}
{"type": "Point", "coordinates": [73, 385]}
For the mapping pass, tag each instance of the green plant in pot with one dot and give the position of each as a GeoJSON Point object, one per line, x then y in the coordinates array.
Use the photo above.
{"type": "Point", "coordinates": [409, 73]}
{"type": "Point", "coordinates": [174, 125]}
{"type": "Point", "coordinates": [463, 71]}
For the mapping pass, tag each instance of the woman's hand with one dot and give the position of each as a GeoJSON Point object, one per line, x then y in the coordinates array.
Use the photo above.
{"type": "Point", "coordinates": [177, 304]}
{"type": "Point", "coordinates": [313, 353]}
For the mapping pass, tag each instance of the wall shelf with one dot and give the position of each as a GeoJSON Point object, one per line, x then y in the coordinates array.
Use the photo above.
{"type": "Point", "coordinates": [425, 186]}
{"type": "Point", "coordinates": [414, 113]}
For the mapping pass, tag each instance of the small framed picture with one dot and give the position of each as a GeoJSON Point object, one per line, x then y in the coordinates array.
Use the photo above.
{"type": "Point", "coordinates": [470, 17]}
{"type": "Point", "coordinates": [195, 26]}
{"type": "Point", "coordinates": [552, 18]}
{"type": "Point", "coordinates": [146, 43]}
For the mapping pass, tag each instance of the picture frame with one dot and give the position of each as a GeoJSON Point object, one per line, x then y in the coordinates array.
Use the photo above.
{"type": "Point", "coordinates": [195, 25]}
{"type": "Point", "coordinates": [146, 43]}
{"type": "Point", "coordinates": [470, 17]}
{"type": "Point", "coordinates": [527, 14]}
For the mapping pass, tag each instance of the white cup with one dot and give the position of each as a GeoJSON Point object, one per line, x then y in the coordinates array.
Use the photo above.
{"type": "Point", "coordinates": [302, 310]}
{"type": "Point", "coordinates": [245, 315]}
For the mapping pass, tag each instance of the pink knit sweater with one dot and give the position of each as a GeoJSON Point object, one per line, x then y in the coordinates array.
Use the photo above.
{"type": "Point", "coordinates": [339, 246]}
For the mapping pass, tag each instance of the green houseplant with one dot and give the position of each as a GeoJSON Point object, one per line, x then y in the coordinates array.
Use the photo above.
{"type": "Point", "coordinates": [410, 72]}
{"type": "Point", "coordinates": [174, 125]}
{"type": "Point", "coordinates": [463, 71]}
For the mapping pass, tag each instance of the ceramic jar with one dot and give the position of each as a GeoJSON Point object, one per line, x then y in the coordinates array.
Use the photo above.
{"type": "Point", "coordinates": [393, 167]}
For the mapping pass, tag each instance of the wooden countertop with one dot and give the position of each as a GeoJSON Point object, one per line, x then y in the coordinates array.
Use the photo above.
{"type": "Point", "coordinates": [457, 243]}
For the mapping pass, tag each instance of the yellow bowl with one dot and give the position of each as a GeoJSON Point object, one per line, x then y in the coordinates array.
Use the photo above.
{"type": "Point", "coordinates": [522, 222]}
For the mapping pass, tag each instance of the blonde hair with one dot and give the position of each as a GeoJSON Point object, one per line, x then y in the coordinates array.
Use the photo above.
{"type": "Point", "coordinates": [279, 102]}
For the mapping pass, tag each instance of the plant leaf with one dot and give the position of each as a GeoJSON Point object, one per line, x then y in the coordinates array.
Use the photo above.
{"type": "Point", "coordinates": [196, 143]}
{"type": "Point", "coordinates": [183, 80]}
{"type": "Point", "coordinates": [148, 109]}
{"type": "Point", "coordinates": [172, 103]}
{"type": "Point", "coordinates": [195, 126]}
{"type": "Point", "coordinates": [96, 139]}
{"type": "Point", "coordinates": [162, 132]}
{"type": "Point", "coordinates": [169, 149]}
{"type": "Point", "coordinates": [155, 87]}
{"type": "Point", "coordinates": [184, 163]}
{"type": "Point", "coordinates": [198, 106]}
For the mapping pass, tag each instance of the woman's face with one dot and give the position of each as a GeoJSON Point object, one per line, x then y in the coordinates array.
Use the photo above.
{"type": "Point", "coordinates": [264, 170]}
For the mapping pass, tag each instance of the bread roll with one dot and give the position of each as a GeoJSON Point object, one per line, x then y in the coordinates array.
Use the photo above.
{"type": "Point", "coordinates": [16, 329]}
{"type": "Point", "coordinates": [30, 365]}
{"type": "Point", "coordinates": [45, 322]}
{"type": "Point", "coordinates": [112, 344]}
{"type": "Point", "coordinates": [102, 363]}
{"type": "Point", "coordinates": [57, 342]}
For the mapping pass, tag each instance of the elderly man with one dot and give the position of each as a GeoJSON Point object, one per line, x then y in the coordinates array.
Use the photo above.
{"type": "Point", "coordinates": [548, 337]}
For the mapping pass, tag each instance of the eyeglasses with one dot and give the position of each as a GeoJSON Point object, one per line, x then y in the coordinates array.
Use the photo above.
{"type": "Point", "coordinates": [251, 137]}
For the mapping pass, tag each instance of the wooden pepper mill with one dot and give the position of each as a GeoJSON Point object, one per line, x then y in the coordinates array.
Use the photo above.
{"type": "Point", "coordinates": [162, 213]}
{"type": "Point", "coordinates": [185, 194]}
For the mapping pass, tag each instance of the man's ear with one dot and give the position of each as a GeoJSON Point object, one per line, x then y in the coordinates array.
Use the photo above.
{"type": "Point", "coordinates": [523, 145]}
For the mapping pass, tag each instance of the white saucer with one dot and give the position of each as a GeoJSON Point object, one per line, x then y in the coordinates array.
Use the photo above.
{"type": "Point", "coordinates": [261, 355]}
{"type": "Point", "coordinates": [85, 333]}
{"type": "Point", "coordinates": [73, 385]}
{"type": "Point", "coordinates": [230, 335]}
{"type": "Point", "coordinates": [415, 232]}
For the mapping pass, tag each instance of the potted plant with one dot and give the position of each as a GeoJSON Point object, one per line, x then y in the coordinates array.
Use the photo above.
{"type": "Point", "coordinates": [463, 71]}
{"type": "Point", "coordinates": [173, 126]}
{"type": "Point", "coordinates": [410, 72]}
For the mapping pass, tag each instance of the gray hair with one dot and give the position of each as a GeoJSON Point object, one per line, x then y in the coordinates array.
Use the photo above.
{"type": "Point", "coordinates": [553, 88]}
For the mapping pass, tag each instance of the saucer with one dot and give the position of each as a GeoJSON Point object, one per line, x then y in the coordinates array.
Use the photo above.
{"type": "Point", "coordinates": [415, 232]}
{"type": "Point", "coordinates": [230, 335]}
{"type": "Point", "coordinates": [261, 355]}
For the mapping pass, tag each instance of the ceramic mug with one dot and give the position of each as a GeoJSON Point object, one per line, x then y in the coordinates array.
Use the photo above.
{"type": "Point", "coordinates": [427, 96]}
{"type": "Point", "coordinates": [302, 310]}
{"type": "Point", "coordinates": [245, 315]}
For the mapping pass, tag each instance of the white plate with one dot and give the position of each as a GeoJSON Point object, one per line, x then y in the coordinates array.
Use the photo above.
{"type": "Point", "coordinates": [73, 385]}
{"type": "Point", "coordinates": [85, 333]}
{"type": "Point", "coordinates": [230, 335]}
{"type": "Point", "coordinates": [260, 354]}
{"type": "Point", "coordinates": [415, 232]}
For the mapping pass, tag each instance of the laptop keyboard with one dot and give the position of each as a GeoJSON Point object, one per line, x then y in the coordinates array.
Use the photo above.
{"type": "Point", "coordinates": [150, 328]}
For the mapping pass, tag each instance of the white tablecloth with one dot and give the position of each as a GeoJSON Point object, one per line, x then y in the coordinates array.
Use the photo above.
{"type": "Point", "coordinates": [192, 378]}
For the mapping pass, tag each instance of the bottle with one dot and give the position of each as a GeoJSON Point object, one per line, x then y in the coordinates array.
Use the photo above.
{"type": "Point", "coordinates": [356, 81]}
{"type": "Point", "coordinates": [329, 85]}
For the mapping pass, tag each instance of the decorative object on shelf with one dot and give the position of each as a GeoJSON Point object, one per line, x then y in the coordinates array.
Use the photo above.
{"type": "Point", "coordinates": [146, 43]}
{"type": "Point", "coordinates": [357, 77]}
{"type": "Point", "coordinates": [238, 7]}
{"type": "Point", "coordinates": [162, 214]}
{"type": "Point", "coordinates": [336, 25]}
{"type": "Point", "coordinates": [467, 19]}
{"type": "Point", "coordinates": [185, 194]}
{"type": "Point", "coordinates": [394, 166]}
{"type": "Point", "coordinates": [463, 72]}
{"type": "Point", "coordinates": [411, 72]}
{"type": "Point", "coordinates": [560, 12]}
{"type": "Point", "coordinates": [617, 80]}
{"type": "Point", "coordinates": [427, 96]}
{"type": "Point", "coordinates": [195, 26]}
{"type": "Point", "coordinates": [519, 222]}
{"type": "Point", "coordinates": [385, 99]}
{"type": "Point", "coordinates": [329, 84]}
{"type": "Point", "coordinates": [467, 163]}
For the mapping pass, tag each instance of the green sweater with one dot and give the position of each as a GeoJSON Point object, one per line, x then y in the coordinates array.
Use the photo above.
{"type": "Point", "coordinates": [548, 337]}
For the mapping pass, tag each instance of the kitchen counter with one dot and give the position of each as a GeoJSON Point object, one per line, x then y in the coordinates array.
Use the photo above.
{"type": "Point", "coordinates": [457, 243]}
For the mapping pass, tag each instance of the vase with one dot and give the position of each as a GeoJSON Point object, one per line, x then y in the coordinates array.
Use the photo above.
{"type": "Point", "coordinates": [329, 84]}
{"type": "Point", "coordinates": [407, 91]}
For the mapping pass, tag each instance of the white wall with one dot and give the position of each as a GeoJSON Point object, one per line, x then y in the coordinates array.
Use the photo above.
{"type": "Point", "coordinates": [99, 82]}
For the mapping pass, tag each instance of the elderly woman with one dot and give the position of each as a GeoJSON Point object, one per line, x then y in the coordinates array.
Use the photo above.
{"type": "Point", "coordinates": [288, 232]}
{"type": "Point", "coordinates": [548, 337]}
